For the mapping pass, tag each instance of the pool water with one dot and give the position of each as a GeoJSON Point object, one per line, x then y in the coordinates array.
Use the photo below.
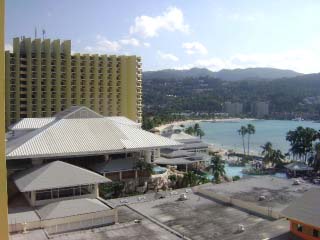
{"type": "Point", "coordinates": [159, 170]}
{"type": "Point", "coordinates": [233, 171]}
{"type": "Point", "coordinates": [237, 171]}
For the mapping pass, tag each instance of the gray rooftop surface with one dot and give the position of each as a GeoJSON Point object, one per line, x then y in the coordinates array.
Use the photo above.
{"type": "Point", "coordinates": [56, 174]}
{"type": "Point", "coordinates": [305, 209]}
{"type": "Point", "coordinates": [126, 229]}
{"type": "Point", "coordinates": [279, 192]}
{"type": "Point", "coordinates": [71, 207]}
{"type": "Point", "coordinates": [200, 218]}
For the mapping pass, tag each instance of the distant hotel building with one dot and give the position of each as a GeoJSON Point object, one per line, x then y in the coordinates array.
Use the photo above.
{"type": "Point", "coordinates": [261, 109]}
{"type": "Point", "coordinates": [233, 109]}
{"type": "Point", "coordinates": [44, 78]}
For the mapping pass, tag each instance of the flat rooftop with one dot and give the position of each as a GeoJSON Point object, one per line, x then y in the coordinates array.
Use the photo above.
{"type": "Point", "coordinates": [126, 229]}
{"type": "Point", "coordinates": [279, 192]}
{"type": "Point", "coordinates": [201, 218]}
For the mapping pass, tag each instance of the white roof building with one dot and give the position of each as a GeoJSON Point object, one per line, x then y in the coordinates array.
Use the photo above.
{"type": "Point", "coordinates": [79, 131]}
{"type": "Point", "coordinates": [56, 174]}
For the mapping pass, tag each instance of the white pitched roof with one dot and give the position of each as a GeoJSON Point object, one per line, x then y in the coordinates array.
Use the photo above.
{"type": "Point", "coordinates": [72, 207]}
{"type": "Point", "coordinates": [83, 136]}
{"type": "Point", "coordinates": [31, 123]}
{"type": "Point", "coordinates": [55, 175]}
{"type": "Point", "coordinates": [124, 120]}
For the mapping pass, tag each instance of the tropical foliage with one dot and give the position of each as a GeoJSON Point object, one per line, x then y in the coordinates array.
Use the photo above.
{"type": "Point", "coordinates": [113, 189]}
{"type": "Point", "coordinates": [143, 166]}
{"type": "Point", "coordinates": [195, 130]}
{"type": "Point", "coordinates": [243, 131]}
{"type": "Point", "coordinates": [301, 142]}
{"type": "Point", "coordinates": [271, 156]}
{"type": "Point", "coordinates": [217, 167]}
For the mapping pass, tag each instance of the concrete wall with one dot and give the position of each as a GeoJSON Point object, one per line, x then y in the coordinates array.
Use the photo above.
{"type": "Point", "coordinates": [68, 223]}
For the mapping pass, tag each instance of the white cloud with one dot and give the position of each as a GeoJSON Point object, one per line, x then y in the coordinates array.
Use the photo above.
{"type": "Point", "coordinates": [195, 48]}
{"type": "Point", "coordinates": [130, 41]}
{"type": "Point", "coordinates": [8, 47]}
{"type": "Point", "coordinates": [304, 61]}
{"type": "Point", "coordinates": [168, 56]}
{"type": "Point", "coordinates": [103, 45]}
{"type": "Point", "coordinates": [146, 44]}
{"type": "Point", "coordinates": [171, 20]}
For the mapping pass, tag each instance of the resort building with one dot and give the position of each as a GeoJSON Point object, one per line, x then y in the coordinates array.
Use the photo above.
{"type": "Point", "coordinates": [43, 78]}
{"type": "Point", "coordinates": [261, 109]}
{"type": "Point", "coordinates": [298, 169]}
{"type": "Point", "coordinates": [56, 164]}
{"type": "Point", "coordinates": [233, 109]}
{"type": "Point", "coordinates": [81, 136]}
{"type": "Point", "coordinates": [57, 181]}
{"type": "Point", "coordinates": [303, 215]}
{"type": "Point", "coordinates": [60, 197]}
{"type": "Point", "coordinates": [191, 154]}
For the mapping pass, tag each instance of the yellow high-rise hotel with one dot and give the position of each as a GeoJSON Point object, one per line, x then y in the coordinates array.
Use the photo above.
{"type": "Point", "coordinates": [43, 77]}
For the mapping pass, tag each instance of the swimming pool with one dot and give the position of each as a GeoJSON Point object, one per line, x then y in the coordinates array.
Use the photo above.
{"type": "Point", "coordinates": [237, 171]}
{"type": "Point", "coordinates": [159, 170]}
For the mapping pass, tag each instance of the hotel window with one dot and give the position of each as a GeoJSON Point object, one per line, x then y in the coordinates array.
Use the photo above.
{"type": "Point", "coordinates": [316, 233]}
{"type": "Point", "coordinates": [299, 227]}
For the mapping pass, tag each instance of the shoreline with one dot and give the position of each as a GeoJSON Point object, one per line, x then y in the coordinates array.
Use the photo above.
{"type": "Point", "coordinates": [214, 147]}
{"type": "Point", "coordinates": [194, 121]}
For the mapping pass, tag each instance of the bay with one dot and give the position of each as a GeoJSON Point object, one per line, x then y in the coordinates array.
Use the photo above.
{"type": "Point", "coordinates": [224, 134]}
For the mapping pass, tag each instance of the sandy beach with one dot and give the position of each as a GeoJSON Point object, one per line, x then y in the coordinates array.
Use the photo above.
{"type": "Point", "coordinates": [212, 147]}
{"type": "Point", "coordinates": [192, 121]}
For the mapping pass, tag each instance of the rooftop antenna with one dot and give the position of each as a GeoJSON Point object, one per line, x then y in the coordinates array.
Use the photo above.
{"type": "Point", "coordinates": [43, 34]}
{"type": "Point", "coordinates": [35, 32]}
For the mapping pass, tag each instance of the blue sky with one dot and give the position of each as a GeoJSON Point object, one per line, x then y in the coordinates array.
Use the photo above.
{"type": "Point", "coordinates": [180, 34]}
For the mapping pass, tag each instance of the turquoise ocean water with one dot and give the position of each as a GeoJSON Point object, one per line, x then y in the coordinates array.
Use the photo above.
{"type": "Point", "coordinates": [225, 135]}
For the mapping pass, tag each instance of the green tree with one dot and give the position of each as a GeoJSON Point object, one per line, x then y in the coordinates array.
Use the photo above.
{"type": "Point", "coordinates": [189, 130]}
{"type": "Point", "coordinates": [200, 133]}
{"type": "Point", "coordinates": [217, 166]}
{"type": "Point", "coordinates": [242, 132]}
{"type": "Point", "coordinates": [250, 131]}
{"type": "Point", "coordinates": [316, 159]}
{"type": "Point", "coordinates": [301, 141]}
{"type": "Point", "coordinates": [190, 179]}
{"type": "Point", "coordinates": [271, 155]}
{"type": "Point", "coordinates": [277, 157]}
{"type": "Point", "coordinates": [143, 166]}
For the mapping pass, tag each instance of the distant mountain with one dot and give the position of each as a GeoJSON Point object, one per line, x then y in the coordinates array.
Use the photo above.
{"type": "Point", "coordinates": [178, 74]}
{"type": "Point", "coordinates": [224, 74]}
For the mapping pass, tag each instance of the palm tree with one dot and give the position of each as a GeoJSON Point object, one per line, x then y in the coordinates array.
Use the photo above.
{"type": "Point", "coordinates": [190, 179]}
{"type": "Point", "coordinates": [200, 133]}
{"type": "Point", "coordinates": [301, 141]}
{"type": "Point", "coordinates": [242, 132]}
{"type": "Point", "coordinates": [277, 157]}
{"type": "Point", "coordinates": [316, 161]}
{"type": "Point", "coordinates": [272, 156]}
{"type": "Point", "coordinates": [217, 167]}
{"type": "Point", "coordinates": [267, 152]}
{"type": "Point", "coordinates": [250, 130]}
{"type": "Point", "coordinates": [143, 166]}
{"type": "Point", "coordinates": [189, 131]}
